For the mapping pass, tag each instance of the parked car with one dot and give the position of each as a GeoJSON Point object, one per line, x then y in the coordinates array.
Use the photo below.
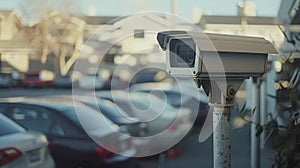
{"type": "Point", "coordinates": [17, 78]}
{"type": "Point", "coordinates": [177, 98]}
{"type": "Point", "coordinates": [114, 113]}
{"type": "Point", "coordinates": [10, 77]}
{"type": "Point", "coordinates": [22, 148]}
{"type": "Point", "coordinates": [166, 124]}
{"type": "Point", "coordinates": [70, 142]}
{"type": "Point", "coordinates": [116, 76]}
{"type": "Point", "coordinates": [62, 81]}
{"type": "Point", "coordinates": [91, 81]}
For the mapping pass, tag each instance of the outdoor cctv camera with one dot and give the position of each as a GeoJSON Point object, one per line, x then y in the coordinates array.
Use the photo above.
{"type": "Point", "coordinates": [218, 63]}
{"type": "Point", "coordinates": [196, 55]}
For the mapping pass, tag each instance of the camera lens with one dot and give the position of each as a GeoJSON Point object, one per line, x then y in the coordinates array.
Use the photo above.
{"type": "Point", "coordinates": [182, 53]}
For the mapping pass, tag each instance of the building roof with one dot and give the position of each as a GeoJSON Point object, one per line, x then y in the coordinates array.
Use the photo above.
{"type": "Point", "coordinates": [284, 10]}
{"type": "Point", "coordinates": [99, 20]}
{"type": "Point", "coordinates": [5, 13]}
{"type": "Point", "coordinates": [133, 19]}
{"type": "Point", "coordinates": [18, 43]}
{"type": "Point", "coordinates": [251, 20]}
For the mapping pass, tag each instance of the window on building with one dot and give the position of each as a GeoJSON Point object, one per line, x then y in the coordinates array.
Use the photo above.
{"type": "Point", "coordinates": [139, 33]}
{"type": "Point", "coordinates": [35, 119]}
{"type": "Point", "coordinates": [294, 9]}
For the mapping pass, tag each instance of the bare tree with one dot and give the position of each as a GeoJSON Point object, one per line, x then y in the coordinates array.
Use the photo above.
{"type": "Point", "coordinates": [33, 10]}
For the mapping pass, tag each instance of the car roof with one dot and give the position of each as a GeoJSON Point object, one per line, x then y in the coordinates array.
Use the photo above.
{"type": "Point", "coordinates": [152, 85]}
{"type": "Point", "coordinates": [50, 102]}
{"type": "Point", "coordinates": [81, 98]}
{"type": "Point", "coordinates": [169, 88]}
{"type": "Point", "coordinates": [123, 96]}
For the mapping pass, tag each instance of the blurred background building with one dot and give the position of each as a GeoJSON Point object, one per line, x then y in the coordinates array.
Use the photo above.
{"type": "Point", "coordinates": [53, 40]}
{"type": "Point", "coordinates": [15, 48]}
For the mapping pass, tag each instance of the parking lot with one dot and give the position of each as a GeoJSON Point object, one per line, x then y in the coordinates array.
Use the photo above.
{"type": "Point", "coordinates": [192, 153]}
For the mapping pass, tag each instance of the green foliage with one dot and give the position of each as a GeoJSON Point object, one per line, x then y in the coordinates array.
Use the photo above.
{"type": "Point", "coordinates": [284, 139]}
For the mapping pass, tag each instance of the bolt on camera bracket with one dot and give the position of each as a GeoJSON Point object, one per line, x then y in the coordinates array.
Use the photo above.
{"type": "Point", "coordinates": [221, 100]}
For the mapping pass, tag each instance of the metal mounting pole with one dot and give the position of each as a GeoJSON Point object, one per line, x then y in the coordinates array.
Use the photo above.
{"type": "Point", "coordinates": [221, 99]}
{"type": "Point", "coordinates": [263, 109]}
{"type": "Point", "coordinates": [222, 136]}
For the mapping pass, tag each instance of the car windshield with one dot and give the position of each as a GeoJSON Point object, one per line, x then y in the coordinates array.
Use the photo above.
{"type": "Point", "coordinates": [111, 110]}
{"type": "Point", "coordinates": [174, 98]}
{"type": "Point", "coordinates": [5, 74]}
{"type": "Point", "coordinates": [9, 127]}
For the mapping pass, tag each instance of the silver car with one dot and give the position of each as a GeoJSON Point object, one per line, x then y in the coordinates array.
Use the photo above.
{"type": "Point", "coordinates": [194, 99]}
{"type": "Point", "coordinates": [21, 148]}
{"type": "Point", "coordinates": [166, 125]}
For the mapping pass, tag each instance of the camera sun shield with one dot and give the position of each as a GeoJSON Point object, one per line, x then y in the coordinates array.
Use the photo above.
{"type": "Point", "coordinates": [183, 58]}
{"type": "Point", "coordinates": [182, 53]}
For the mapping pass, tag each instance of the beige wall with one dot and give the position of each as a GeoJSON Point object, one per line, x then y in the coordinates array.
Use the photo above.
{"type": "Point", "coordinates": [18, 60]}
{"type": "Point", "coordinates": [8, 27]}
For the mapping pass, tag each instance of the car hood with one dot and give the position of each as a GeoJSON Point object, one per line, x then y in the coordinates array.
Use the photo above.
{"type": "Point", "coordinates": [24, 141]}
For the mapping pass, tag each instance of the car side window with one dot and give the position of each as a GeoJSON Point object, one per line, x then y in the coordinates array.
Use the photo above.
{"type": "Point", "coordinates": [3, 109]}
{"type": "Point", "coordinates": [35, 119]}
{"type": "Point", "coordinates": [125, 107]}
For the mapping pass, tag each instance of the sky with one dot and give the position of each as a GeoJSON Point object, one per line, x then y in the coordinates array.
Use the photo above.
{"type": "Point", "coordinates": [184, 7]}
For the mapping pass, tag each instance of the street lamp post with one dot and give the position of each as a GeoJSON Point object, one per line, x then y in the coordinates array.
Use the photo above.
{"type": "Point", "coordinates": [255, 140]}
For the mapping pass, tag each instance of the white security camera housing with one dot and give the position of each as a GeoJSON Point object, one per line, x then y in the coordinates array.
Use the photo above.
{"type": "Point", "coordinates": [213, 55]}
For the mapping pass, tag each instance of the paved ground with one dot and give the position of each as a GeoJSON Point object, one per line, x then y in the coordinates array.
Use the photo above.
{"type": "Point", "coordinates": [193, 153]}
